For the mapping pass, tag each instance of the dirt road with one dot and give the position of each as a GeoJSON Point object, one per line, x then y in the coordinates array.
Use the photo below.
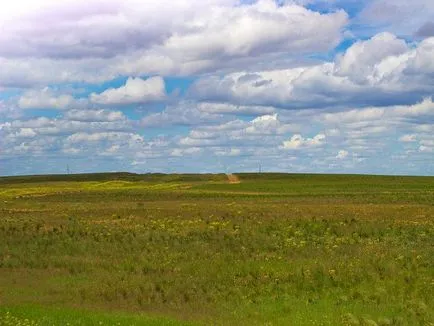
{"type": "Point", "coordinates": [232, 178]}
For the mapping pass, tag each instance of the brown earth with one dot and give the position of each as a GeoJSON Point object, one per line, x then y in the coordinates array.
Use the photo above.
{"type": "Point", "coordinates": [232, 178]}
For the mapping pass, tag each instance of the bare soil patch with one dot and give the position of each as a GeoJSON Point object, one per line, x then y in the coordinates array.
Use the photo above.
{"type": "Point", "coordinates": [232, 178]}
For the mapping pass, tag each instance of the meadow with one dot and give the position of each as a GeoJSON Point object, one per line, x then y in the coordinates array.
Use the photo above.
{"type": "Point", "coordinates": [271, 249]}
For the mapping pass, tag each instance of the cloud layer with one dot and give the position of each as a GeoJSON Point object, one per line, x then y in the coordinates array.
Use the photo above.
{"type": "Point", "coordinates": [135, 90]}
{"type": "Point", "coordinates": [217, 85]}
{"type": "Point", "coordinates": [383, 69]}
{"type": "Point", "coordinates": [92, 41]}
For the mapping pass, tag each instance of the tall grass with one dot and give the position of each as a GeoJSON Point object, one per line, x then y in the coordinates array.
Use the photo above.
{"type": "Point", "coordinates": [263, 251]}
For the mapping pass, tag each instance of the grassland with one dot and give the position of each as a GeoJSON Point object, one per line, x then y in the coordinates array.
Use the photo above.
{"type": "Point", "coordinates": [274, 249]}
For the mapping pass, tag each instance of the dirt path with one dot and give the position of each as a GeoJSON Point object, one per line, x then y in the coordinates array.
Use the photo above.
{"type": "Point", "coordinates": [232, 178]}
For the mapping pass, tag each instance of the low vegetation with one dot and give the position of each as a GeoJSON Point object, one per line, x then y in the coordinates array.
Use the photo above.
{"type": "Point", "coordinates": [273, 249]}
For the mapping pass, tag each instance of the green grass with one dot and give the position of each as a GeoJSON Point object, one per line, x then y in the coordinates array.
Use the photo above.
{"type": "Point", "coordinates": [275, 249]}
{"type": "Point", "coordinates": [30, 315]}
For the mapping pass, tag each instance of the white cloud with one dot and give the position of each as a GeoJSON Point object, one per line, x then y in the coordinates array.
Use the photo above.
{"type": "Point", "coordinates": [45, 99]}
{"type": "Point", "coordinates": [422, 109]}
{"type": "Point", "coordinates": [71, 151]}
{"type": "Point", "coordinates": [368, 114]}
{"type": "Point", "coordinates": [233, 35]}
{"type": "Point", "coordinates": [268, 124]}
{"type": "Point", "coordinates": [113, 149]}
{"type": "Point", "coordinates": [427, 144]}
{"type": "Point", "coordinates": [370, 131]}
{"type": "Point", "coordinates": [83, 137]}
{"type": "Point", "coordinates": [260, 131]}
{"type": "Point", "coordinates": [408, 138]}
{"type": "Point", "coordinates": [94, 115]}
{"type": "Point", "coordinates": [225, 108]}
{"type": "Point", "coordinates": [257, 28]}
{"type": "Point", "coordinates": [135, 90]}
{"type": "Point", "coordinates": [228, 152]}
{"type": "Point", "coordinates": [186, 113]}
{"type": "Point", "coordinates": [360, 59]}
{"type": "Point", "coordinates": [185, 151]}
{"type": "Point", "coordinates": [383, 70]}
{"type": "Point", "coordinates": [298, 142]}
{"type": "Point", "coordinates": [55, 127]}
{"type": "Point", "coordinates": [28, 72]}
{"type": "Point", "coordinates": [375, 118]}
{"type": "Point", "coordinates": [399, 16]}
{"type": "Point", "coordinates": [105, 143]}
{"type": "Point", "coordinates": [366, 133]}
{"type": "Point", "coordinates": [70, 41]}
{"type": "Point", "coordinates": [264, 80]}
{"type": "Point", "coordinates": [25, 133]}
{"type": "Point", "coordinates": [8, 111]}
{"type": "Point", "coordinates": [342, 154]}
{"type": "Point", "coordinates": [426, 149]}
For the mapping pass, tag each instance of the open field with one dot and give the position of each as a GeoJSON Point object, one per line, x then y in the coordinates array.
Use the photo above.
{"type": "Point", "coordinates": [268, 249]}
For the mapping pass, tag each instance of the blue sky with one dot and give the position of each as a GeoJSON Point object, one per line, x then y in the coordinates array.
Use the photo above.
{"type": "Point", "coordinates": [322, 86]}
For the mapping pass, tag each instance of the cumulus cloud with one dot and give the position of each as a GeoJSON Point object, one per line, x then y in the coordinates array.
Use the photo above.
{"type": "Point", "coordinates": [24, 133]}
{"type": "Point", "coordinates": [268, 124]}
{"type": "Point", "coordinates": [93, 28]}
{"type": "Point", "coordinates": [416, 113]}
{"type": "Point", "coordinates": [8, 111]}
{"type": "Point", "coordinates": [72, 41]}
{"type": "Point", "coordinates": [262, 27]}
{"type": "Point", "coordinates": [383, 69]}
{"type": "Point", "coordinates": [342, 154]}
{"type": "Point", "coordinates": [298, 142]}
{"type": "Point", "coordinates": [184, 113]}
{"type": "Point", "coordinates": [225, 108]}
{"type": "Point", "coordinates": [55, 127]}
{"type": "Point", "coordinates": [367, 114]}
{"type": "Point", "coordinates": [45, 99]}
{"type": "Point", "coordinates": [257, 28]}
{"type": "Point", "coordinates": [408, 138]}
{"type": "Point", "coordinates": [94, 115]}
{"type": "Point", "coordinates": [426, 149]}
{"type": "Point", "coordinates": [30, 72]}
{"type": "Point", "coordinates": [185, 151]}
{"type": "Point", "coordinates": [353, 141]}
{"type": "Point", "coordinates": [267, 76]}
{"type": "Point", "coordinates": [260, 131]}
{"type": "Point", "coordinates": [371, 130]}
{"type": "Point", "coordinates": [228, 152]}
{"type": "Point", "coordinates": [61, 138]}
{"type": "Point", "coordinates": [399, 16]}
{"type": "Point", "coordinates": [135, 90]}
{"type": "Point", "coordinates": [103, 143]}
{"type": "Point", "coordinates": [102, 136]}
{"type": "Point", "coordinates": [359, 61]}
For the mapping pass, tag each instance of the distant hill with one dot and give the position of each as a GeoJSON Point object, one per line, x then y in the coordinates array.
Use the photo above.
{"type": "Point", "coordinates": [124, 176]}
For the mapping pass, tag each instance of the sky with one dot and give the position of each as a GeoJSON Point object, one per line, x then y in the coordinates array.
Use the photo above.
{"type": "Point", "coordinates": [308, 86]}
